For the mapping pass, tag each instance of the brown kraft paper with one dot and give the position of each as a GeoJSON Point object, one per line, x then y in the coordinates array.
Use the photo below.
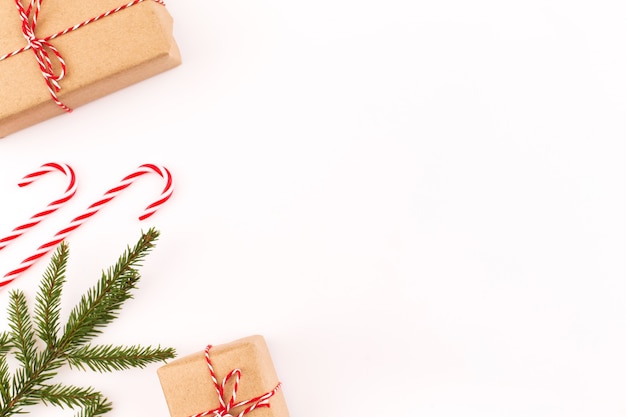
{"type": "Point", "coordinates": [102, 57]}
{"type": "Point", "coordinates": [189, 389]}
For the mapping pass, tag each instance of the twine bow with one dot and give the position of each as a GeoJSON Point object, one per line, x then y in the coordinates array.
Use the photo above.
{"type": "Point", "coordinates": [226, 407]}
{"type": "Point", "coordinates": [43, 50]}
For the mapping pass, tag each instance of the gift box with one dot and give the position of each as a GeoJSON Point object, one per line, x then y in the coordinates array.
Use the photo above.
{"type": "Point", "coordinates": [228, 379]}
{"type": "Point", "coordinates": [128, 42]}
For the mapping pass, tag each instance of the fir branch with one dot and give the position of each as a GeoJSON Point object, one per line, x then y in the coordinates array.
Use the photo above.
{"type": "Point", "coordinates": [48, 301]}
{"type": "Point", "coordinates": [22, 334]}
{"type": "Point", "coordinates": [26, 382]}
{"type": "Point", "coordinates": [101, 305]}
{"type": "Point", "coordinates": [29, 383]}
{"type": "Point", "coordinates": [5, 343]}
{"type": "Point", "coordinates": [68, 396]}
{"type": "Point", "coordinates": [5, 382]}
{"type": "Point", "coordinates": [108, 358]}
{"type": "Point", "coordinates": [18, 401]}
{"type": "Point", "coordinates": [97, 408]}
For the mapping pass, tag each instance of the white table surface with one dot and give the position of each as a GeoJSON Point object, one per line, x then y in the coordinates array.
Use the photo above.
{"type": "Point", "coordinates": [421, 205]}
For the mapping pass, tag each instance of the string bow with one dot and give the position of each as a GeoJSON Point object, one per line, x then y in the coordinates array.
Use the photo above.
{"type": "Point", "coordinates": [51, 63]}
{"type": "Point", "coordinates": [226, 407]}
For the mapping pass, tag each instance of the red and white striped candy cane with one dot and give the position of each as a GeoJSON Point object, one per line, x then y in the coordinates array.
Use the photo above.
{"type": "Point", "coordinates": [50, 208]}
{"type": "Point", "coordinates": [92, 210]}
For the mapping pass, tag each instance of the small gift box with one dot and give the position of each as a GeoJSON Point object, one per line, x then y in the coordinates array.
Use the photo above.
{"type": "Point", "coordinates": [233, 379]}
{"type": "Point", "coordinates": [56, 55]}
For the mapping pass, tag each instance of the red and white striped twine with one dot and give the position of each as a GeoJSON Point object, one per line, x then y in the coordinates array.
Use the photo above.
{"type": "Point", "coordinates": [47, 56]}
{"type": "Point", "coordinates": [92, 210]}
{"type": "Point", "coordinates": [51, 208]}
{"type": "Point", "coordinates": [225, 409]}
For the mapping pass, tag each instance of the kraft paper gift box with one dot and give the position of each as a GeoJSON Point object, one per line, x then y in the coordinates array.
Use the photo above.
{"type": "Point", "coordinates": [101, 57]}
{"type": "Point", "coordinates": [189, 389]}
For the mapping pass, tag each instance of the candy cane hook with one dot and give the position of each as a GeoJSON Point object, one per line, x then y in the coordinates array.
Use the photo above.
{"type": "Point", "coordinates": [50, 208]}
{"type": "Point", "coordinates": [92, 210]}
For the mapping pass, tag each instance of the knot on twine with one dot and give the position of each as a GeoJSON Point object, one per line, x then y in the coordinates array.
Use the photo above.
{"type": "Point", "coordinates": [226, 407]}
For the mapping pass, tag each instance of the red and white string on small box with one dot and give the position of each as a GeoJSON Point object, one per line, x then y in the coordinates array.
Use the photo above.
{"type": "Point", "coordinates": [227, 408]}
{"type": "Point", "coordinates": [94, 208]}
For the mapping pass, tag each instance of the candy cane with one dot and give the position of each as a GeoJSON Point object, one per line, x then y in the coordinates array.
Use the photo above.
{"type": "Point", "coordinates": [50, 208]}
{"type": "Point", "coordinates": [92, 210]}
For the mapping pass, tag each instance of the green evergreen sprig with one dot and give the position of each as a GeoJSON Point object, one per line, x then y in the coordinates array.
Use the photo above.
{"type": "Point", "coordinates": [41, 345]}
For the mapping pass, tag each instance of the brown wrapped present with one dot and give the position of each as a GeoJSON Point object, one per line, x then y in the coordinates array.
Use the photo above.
{"type": "Point", "coordinates": [233, 379]}
{"type": "Point", "coordinates": [63, 59]}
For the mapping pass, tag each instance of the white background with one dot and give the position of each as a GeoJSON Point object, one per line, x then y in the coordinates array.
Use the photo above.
{"type": "Point", "coordinates": [420, 204]}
